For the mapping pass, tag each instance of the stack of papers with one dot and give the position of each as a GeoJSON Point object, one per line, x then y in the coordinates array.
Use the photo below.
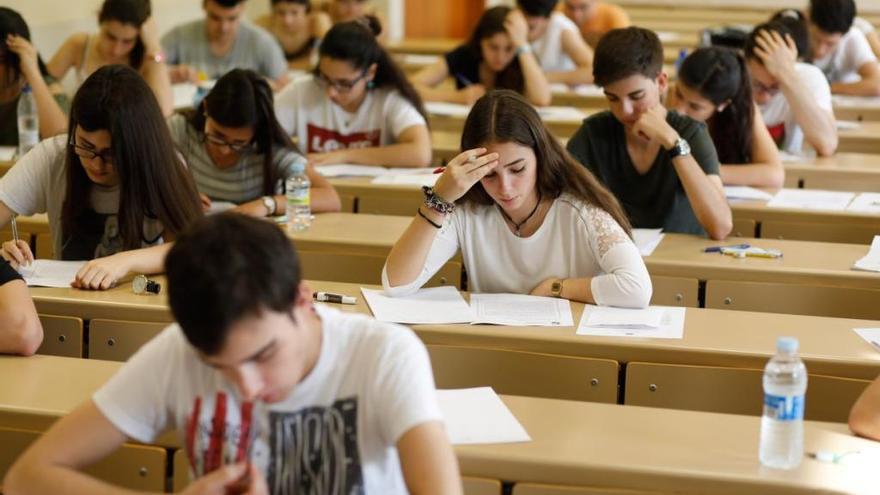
{"type": "Point", "coordinates": [656, 322]}
{"type": "Point", "coordinates": [477, 416]}
{"type": "Point", "coordinates": [7, 153]}
{"type": "Point", "coordinates": [811, 199]}
{"type": "Point", "coordinates": [50, 273]}
{"type": "Point", "coordinates": [865, 203]}
{"type": "Point", "coordinates": [746, 193]}
{"type": "Point", "coordinates": [445, 305]}
{"type": "Point", "coordinates": [871, 262]}
{"type": "Point", "coordinates": [647, 240]}
{"type": "Point", "coordinates": [871, 336]}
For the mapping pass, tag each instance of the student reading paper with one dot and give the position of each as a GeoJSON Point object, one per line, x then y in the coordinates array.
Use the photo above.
{"type": "Point", "coordinates": [526, 216]}
{"type": "Point", "coordinates": [351, 401]}
{"type": "Point", "coordinates": [20, 329]}
{"type": "Point", "coordinates": [114, 186]}
{"type": "Point", "coordinates": [238, 152]}
{"type": "Point", "coordinates": [357, 106]}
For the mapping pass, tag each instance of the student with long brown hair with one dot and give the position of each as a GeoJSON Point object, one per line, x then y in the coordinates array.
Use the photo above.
{"type": "Point", "coordinates": [527, 217]}
{"type": "Point", "coordinates": [114, 187]}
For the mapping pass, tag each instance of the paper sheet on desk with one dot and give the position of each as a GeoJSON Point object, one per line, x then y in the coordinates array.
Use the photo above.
{"type": "Point", "coordinates": [865, 203]}
{"type": "Point", "coordinates": [351, 170]}
{"type": "Point", "coordinates": [428, 179]}
{"type": "Point", "coordinates": [845, 125]}
{"type": "Point", "coordinates": [855, 101]}
{"type": "Point", "coordinates": [670, 326]}
{"type": "Point", "coordinates": [811, 199]}
{"type": "Point", "coordinates": [870, 335]}
{"type": "Point", "coordinates": [521, 310]}
{"type": "Point", "coordinates": [450, 109]}
{"type": "Point", "coordinates": [871, 261]}
{"type": "Point", "coordinates": [419, 59]}
{"type": "Point", "coordinates": [7, 153]}
{"type": "Point", "coordinates": [437, 305]}
{"type": "Point", "coordinates": [747, 193]}
{"type": "Point", "coordinates": [580, 89]}
{"type": "Point", "coordinates": [788, 157]}
{"type": "Point", "coordinates": [561, 114]}
{"type": "Point", "coordinates": [647, 240]}
{"type": "Point", "coordinates": [51, 273]}
{"type": "Point", "coordinates": [478, 415]}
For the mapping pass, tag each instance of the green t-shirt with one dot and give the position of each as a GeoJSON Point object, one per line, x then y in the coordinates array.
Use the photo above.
{"type": "Point", "coordinates": [657, 198]}
{"type": "Point", "coordinates": [9, 117]}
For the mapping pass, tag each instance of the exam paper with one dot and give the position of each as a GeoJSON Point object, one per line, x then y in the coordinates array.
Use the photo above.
{"type": "Point", "coordinates": [670, 325]}
{"type": "Point", "coordinates": [561, 113]}
{"type": "Point", "coordinates": [478, 415]}
{"type": "Point", "coordinates": [7, 153]}
{"type": "Point", "coordinates": [871, 261]}
{"type": "Point", "coordinates": [871, 336]}
{"type": "Point", "coordinates": [847, 125]}
{"type": "Point", "coordinates": [865, 203]}
{"type": "Point", "coordinates": [745, 192]}
{"type": "Point", "coordinates": [647, 240]}
{"type": "Point", "coordinates": [436, 305]}
{"type": "Point", "coordinates": [855, 101]}
{"type": "Point", "coordinates": [428, 179]}
{"type": "Point", "coordinates": [50, 273]}
{"type": "Point", "coordinates": [450, 109]}
{"type": "Point", "coordinates": [419, 59]}
{"type": "Point", "coordinates": [811, 199]}
{"type": "Point", "coordinates": [521, 310]}
{"type": "Point", "coordinates": [351, 170]}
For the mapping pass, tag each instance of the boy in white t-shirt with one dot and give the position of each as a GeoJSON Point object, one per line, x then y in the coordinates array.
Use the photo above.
{"type": "Point", "coordinates": [794, 97]}
{"type": "Point", "coordinates": [841, 50]}
{"type": "Point", "coordinates": [556, 41]}
{"type": "Point", "coordinates": [317, 401]}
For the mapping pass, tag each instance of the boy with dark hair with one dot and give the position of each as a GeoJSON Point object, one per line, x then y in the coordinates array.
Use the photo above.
{"type": "Point", "coordinates": [221, 42]}
{"type": "Point", "coordinates": [794, 97]}
{"type": "Point", "coordinates": [661, 165]}
{"type": "Point", "coordinates": [564, 55]}
{"type": "Point", "coordinates": [841, 50]}
{"type": "Point", "coordinates": [350, 402]}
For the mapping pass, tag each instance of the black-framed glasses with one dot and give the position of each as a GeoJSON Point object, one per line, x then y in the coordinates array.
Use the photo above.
{"type": "Point", "coordinates": [105, 154]}
{"type": "Point", "coordinates": [340, 85]}
{"type": "Point", "coordinates": [237, 147]}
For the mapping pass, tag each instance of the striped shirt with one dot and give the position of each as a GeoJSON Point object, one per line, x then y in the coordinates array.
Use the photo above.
{"type": "Point", "coordinates": [238, 184]}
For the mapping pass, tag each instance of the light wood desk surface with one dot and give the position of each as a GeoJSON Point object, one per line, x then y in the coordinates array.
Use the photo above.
{"type": "Point", "coordinates": [864, 139]}
{"type": "Point", "coordinates": [119, 303]}
{"type": "Point", "coordinates": [841, 172]}
{"type": "Point", "coordinates": [5, 166]}
{"type": "Point", "coordinates": [574, 443]}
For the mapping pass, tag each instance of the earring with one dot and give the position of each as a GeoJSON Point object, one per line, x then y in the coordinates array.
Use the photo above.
{"type": "Point", "coordinates": [371, 85]}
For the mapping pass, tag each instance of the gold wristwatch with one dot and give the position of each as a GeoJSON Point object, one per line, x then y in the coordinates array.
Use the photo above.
{"type": "Point", "coordinates": [556, 288]}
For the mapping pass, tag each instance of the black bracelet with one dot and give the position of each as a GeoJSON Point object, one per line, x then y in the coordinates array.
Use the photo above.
{"type": "Point", "coordinates": [435, 224]}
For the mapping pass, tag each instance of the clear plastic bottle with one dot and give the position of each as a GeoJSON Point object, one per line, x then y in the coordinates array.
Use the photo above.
{"type": "Point", "coordinates": [299, 209]}
{"type": "Point", "coordinates": [28, 122]}
{"type": "Point", "coordinates": [782, 425]}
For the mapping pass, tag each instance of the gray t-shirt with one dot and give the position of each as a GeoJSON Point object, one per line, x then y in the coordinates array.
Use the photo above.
{"type": "Point", "coordinates": [253, 49]}
{"type": "Point", "coordinates": [38, 184]}
{"type": "Point", "coordinates": [238, 184]}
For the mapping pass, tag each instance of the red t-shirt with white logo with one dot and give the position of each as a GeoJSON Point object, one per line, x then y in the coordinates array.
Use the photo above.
{"type": "Point", "coordinates": [305, 111]}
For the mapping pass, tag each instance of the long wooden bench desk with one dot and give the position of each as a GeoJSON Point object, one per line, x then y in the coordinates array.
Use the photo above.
{"type": "Point", "coordinates": [575, 444]}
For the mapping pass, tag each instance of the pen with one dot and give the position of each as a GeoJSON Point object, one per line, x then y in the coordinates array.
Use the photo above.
{"type": "Point", "coordinates": [717, 249]}
{"type": "Point", "coordinates": [439, 170]}
{"type": "Point", "coordinates": [334, 298]}
{"type": "Point", "coordinates": [14, 231]}
{"type": "Point", "coordinates": [875, 344]}
{"type": "Point", "coordinates": [463, 80]}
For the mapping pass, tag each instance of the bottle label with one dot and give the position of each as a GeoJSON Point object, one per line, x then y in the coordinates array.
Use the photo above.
{"type": "Point", "coordinates": [298, 197]}
{"type": "Point", "coordinates": [784, 407]}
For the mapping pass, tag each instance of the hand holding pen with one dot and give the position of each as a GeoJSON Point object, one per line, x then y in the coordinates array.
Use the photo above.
{"type": "Point", "coordinates": [17, 252]}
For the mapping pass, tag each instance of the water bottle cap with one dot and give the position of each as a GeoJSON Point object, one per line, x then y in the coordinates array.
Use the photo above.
{"type": "Point", "coordinates": [787, 344]}
{"type": "Point", "coordinates": [299, 167]}
{"type": "Point", "coordinates": [26, 88]}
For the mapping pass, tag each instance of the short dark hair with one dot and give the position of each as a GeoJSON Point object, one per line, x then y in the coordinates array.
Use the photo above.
{"type": "Point", "coordinates": [833, 16]}
{"type": "Point", "coordinates": [777, 26]}
{"type": "Point", "coordinates": [534, 8]}
{"type": "Point", "coordinates": [227, 4]}
{"type": "Point", "coordinates": [625, 52]}
{"type": "Point", "coordinates": [796, 23]}
{"type": "Point", "coordinates": [306, 3]}
{"type": "Point", "coordinates": [227, 267]}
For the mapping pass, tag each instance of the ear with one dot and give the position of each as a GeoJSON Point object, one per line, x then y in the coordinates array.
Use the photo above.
{"type": "Point", "coordinates": [304, 295]}
{"type": "Point", "coordinates": [662, 81]}
{"type": "Point", "coordinates": [723, 105]}
{"type": "Point", "coordinates": [371, 72]}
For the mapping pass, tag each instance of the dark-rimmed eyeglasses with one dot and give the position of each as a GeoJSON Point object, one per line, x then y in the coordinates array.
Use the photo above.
{"type": "Point", "coordinates": [105, 154]}
{"type": "Point", "coordinates": [237, 147]}
{"type": "Point", "coordinates": [340, 85]}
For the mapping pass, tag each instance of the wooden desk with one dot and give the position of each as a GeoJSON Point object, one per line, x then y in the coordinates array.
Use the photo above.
{"type": "Point", "coordinates": [5, 166]}
{"type": "Point", "coordinates": [119, 303]}
{"type": "Point", "coordinates": [858, 172]}
{"type": "Point", "coordinates": [864, 139]}
{"type": "Point", "coordinates": [562, 128]}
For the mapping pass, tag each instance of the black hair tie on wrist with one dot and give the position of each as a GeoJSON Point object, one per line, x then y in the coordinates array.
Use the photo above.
{"type": "Point", "coordinates": [435, 224]}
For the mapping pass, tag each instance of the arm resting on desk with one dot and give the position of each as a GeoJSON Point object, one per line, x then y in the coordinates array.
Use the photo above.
{"type": "Point", "coordinates": [864, 418]}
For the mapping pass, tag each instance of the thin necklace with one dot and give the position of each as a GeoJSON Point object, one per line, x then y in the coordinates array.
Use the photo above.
{"type": "Point", "coordinates": [517, 226]}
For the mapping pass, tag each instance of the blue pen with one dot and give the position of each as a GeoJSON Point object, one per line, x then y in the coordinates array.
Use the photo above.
{"type": "Point", "coordinates": [463, 80]}
{"type": "Point", "coordinates": [717, 249]}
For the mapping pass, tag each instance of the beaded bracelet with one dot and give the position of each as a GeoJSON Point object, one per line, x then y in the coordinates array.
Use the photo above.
{"type": "Point", "coordinates": [435, 202]}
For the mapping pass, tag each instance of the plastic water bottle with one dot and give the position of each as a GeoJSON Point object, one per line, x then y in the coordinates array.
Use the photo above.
{"type": "Point", "coordinates": [782, 426]}
{"type": "Point", "coordinates": [28, 122]}
{"type": "Point", "coordinates": [299, 209]}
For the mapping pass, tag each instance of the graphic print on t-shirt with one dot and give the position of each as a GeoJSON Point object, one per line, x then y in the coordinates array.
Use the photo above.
{"type": "Point", "coordinates": [323, 140]}
{"type": "Point", "coordinates": [777, 132]}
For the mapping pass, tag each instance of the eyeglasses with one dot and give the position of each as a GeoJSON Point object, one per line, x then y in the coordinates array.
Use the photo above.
{"type": "Point", "coordinates": [758, 86]}
{"type": "Point", "coordinates": [236, 147]}
{"type": "Point", "coordinates": [340, 85]}
{"type": "Point", "coordinates": [105, 154]}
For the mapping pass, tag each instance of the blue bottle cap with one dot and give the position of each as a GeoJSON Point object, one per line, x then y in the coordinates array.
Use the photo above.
{"type": "Point", "coordinates": [787, 344]}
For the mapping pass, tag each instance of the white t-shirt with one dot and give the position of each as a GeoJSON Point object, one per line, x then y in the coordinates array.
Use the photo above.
{"type": "Point", "coordinates": [336, 432]}
{"type": "Point", "coordinates": [38, 184]}
{"type": "Point", "coordinates": [548, 48]}
{"type": "Point", "coordinates": [575, 240]}
{"type": "Point", "coordinates": [863, 25]}
{"type": "Point", "coordinates": [851, 53]}
{"type": "Point", "coordinates": [779, 117]}
{"type": "Point", "coordinates": [305, 111]}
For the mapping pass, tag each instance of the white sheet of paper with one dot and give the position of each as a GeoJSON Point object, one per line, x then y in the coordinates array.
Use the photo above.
{"type": "Point", "coordinates": [871, 261]}
{"type": "Point", "coordinates": [671, 326]}
{"type": "Point", "coordinates": [865, 203]}
{"type": "Point", "coordinates": [7, 153]}
{"type": "Point", "coordinates": [51, 273]}
{"type": "Point", "coordinates": [788, 157]}
{"type": "Point", "coordinates": [844, 125]}
{"type": "Point", "coordinates": [561, 114]}
{"type": "Point", "coordinates": [478, 416]}
{"type": "Point", "coordinates": [605, 316]}
{"type": "Point", "coordinates": [428, 179]}
{"type": "Point", "coordinates": [450, 109]}
{"type": "Point", "coordinates": [855, 101]}
{"type": "Point", "coordinates": [871, 336]}
{"type": "Point", "coordinates": [811, 199]}
{"type": "Point", "coordinates": [183, 94]}
{"type": "Point", "coordinates": [436, 305]}
{"type": "Point", "coordinates": [589, 90]}
{"type": "Point", "coordinates": [521, 310]}
{"type": "Point", "coordinates": [746, 192]}
{"type": "Point", "coordinates": [647, 240]}
{"type": "Point", "coordinates": [419, 59]}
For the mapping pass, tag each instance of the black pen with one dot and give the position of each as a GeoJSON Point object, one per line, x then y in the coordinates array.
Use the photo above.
{"type": "Point", "coordinates": [333, 298]}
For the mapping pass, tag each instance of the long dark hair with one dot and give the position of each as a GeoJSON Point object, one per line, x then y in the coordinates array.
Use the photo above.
{"type": "Point", "coordinates": [720, 75]}
{"type": "Point", "coordinates": [153, 182]}
{"type": "Point", "coordinates": [504, 116]}
{"type": "Point", "coordinates": [242, 98]}
{"type": "Point", "coordinates": [490, 24]}
{"type": "Point", "coordinates": [133, 12]}
{"type": "Point", "coordinates": [355, 42]}
{"type": "Point", "coordinates": [11, 22]}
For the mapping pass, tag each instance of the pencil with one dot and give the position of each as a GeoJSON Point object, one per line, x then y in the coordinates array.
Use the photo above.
{"type": "Point", "coordinates": [14, 231]}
